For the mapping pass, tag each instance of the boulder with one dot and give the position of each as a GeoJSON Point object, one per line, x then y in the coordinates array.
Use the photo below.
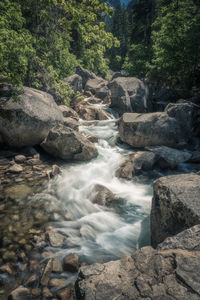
{"type": "Point", "coordinates": [85, 75]}
{"type": "Point", "coordinates": [67, 144]}
{"type": "Point", "coordinates": [169, 158]}
{"type": "Point", "coordinates": [70, 263]}
{"type": "Point", "coordinates": [28, 121]}
{"type": "Point", "coordinates": [72, 123]}
{"type": "Point", "coordinates": [75, 82]}
{"type": "Point", "coordinates": [129, 95]}
{"type": "Point", "coordinates": [68, 112]}
{"type": "Point", "coordinates": [188, 239]}
{"type": "Point", "coordinates": [126, 170]}
{"type": "Point", "coordinates": [16, 169]}
{"type": "Point", "coordinates": [98, 87]}
{"type": "Point", "coordinates": [195, 157]}
{"type": "Point", "coordinates": [6, 89]}
{"type": "Point", "coordinates": [56, 239]}
{"type": "Point", "coordinates": [183, 113]}
{"type": "Point", "coordinates": [47, 273]}
{"type": "Point", "coordinates": [153, 129]}
{"type": "Point", "coordinates": [175, 205]}
{"type": "Point", "coordinates": [163, 97]}
{"type": "Point", "coordinates": [136, 163]}
{"type": "Point", "coordinates": [89, 112]}
{"type": "Point", "coordinates": [20, 293]}
{"type": "Point", "coordinates": [101, 195]}
{"type": "Point", "coordinates": [147, 274]}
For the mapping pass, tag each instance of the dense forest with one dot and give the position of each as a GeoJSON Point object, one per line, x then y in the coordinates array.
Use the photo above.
{"type": "Point", "coordinates": [42, 41]}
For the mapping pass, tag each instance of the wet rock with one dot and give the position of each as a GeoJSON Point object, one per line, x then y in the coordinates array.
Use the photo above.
{"type": "Point", "coordinates": [89, 113]}
{"type": "Point", "coordinates": [47, 293]}
{"type": "Point", "coordinates": [68, 112]}
{"type": "Point", "coordinates": [58, 282]}
{"type": "Point", "coordinates": [72, 123]}
{"type": "Point", "coordinates": [47, 273]}
{"type": "Point", "coordinates": [147, 274]}
{"type": "Point", "coordinates": [19, 159]}
{"type": "Point", "coordinates": [21, 293]}
{"type": "Point", "coordinates": [7, 269]}
{"type": "Point", "coordinates": [57, 266]}
{"type": "Point", "coordinates": [93, 138]}
{"type": "Point", "coordinates": [67, 144]}
{"type": "Point", "coordinates": [125, 170]}
{"type": "Point", "coordinates": [102, 195]}
{"type": "Point", "coordinates": [19, 191]}
{"type": "Point", "coordinates": [34, 161]}
{"type": "Point", "coordinates": [55, 170]}
{"type": "Point", "coordinates": [70, 263]}
{"type": "Point", "coordinates": [175, 205]}
{"type": "Point", "coordinates": [36, 292]}
{"type": "Point", "coordinates": [56, 239]}
{"type": "Point", "coordinates": [15, 169]}
{"type": "Point", "coordinates": [135, 164]}
{"type": "Point", "coordinates": [169, 158]}
{"type": "Point", "coordinates": [153, 129]}
{"type": "Point", "coordinates": [9, 256]}
{"type": "Point", "coordinates": [143, 160]}
{"type": "Point", "coordinates": [66, 294]}
{"type": "Point", "coordinates": [32, 281]}
{"type": "Point", "coordinates": [129, 95]}
{"type": "Point", "coordinates": [23, 124]}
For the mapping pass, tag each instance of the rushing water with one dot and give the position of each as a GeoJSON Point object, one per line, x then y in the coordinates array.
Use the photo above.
{"type": "Point", "coordinates": [100, 233]}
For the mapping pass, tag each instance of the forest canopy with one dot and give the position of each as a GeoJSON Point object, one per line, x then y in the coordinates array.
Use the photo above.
{"type": "Point", "coordinates": [41, 41]}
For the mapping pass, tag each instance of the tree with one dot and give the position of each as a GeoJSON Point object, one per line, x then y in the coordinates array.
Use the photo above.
{"type": "Point", "coordinates": [176, 45]}
{"type": "Point", "coordinates": [41, 41]}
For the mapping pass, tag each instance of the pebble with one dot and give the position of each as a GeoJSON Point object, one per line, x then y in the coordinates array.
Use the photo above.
{"type": "Point", "coordinates": [20, 159]}
{"type": "Point", "coordinates": [15, 169]}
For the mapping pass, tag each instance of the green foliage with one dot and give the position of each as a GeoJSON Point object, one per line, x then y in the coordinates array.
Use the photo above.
{"type": "Point", "coordinates": [176, 44]}
{"type": "Point", "coordinates": [120, 27]}
{"type": "Point", "coordinates": [42, 41]}
{"type": "Point", "coordinates": [137, 62]}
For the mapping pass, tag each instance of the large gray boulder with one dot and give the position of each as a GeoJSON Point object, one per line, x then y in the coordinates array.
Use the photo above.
{"type": "Point", "coordinates": [98, 87]}
{"type": "Point", "coordinates": [67, 144]}
{"type": "Point", "coordinates": [175, 205]}
{"type": "Point", "coordinates": [75, 82]}
{"type": "Point", "coordinates": [129, 94]}
{"type": "Point", "coordinates": [153, 129]}
{"type": "Point", "coordinates": [28, 121]}
{"type": "Point", "coordinates": [188, 239]}
{"type": "Point", "coordinates": [169, 158]}
{"type": "Point", "coordinates": [89, 112]}
{"type": "Point", "coordinates": [101, 195]}
{"type": "Point", "coordinates": [168, 273]}
{"type": "Point", "coordinates": [183, 113]}
{"type": "Point", "coordinates": [136, 163]}
{"type": "Point", "coordinates": [68, 112]}
{"type": "Point", "coordinates": [85, 75]}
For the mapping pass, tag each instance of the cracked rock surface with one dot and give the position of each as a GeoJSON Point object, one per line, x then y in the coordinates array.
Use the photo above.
{"type": "Point", "coordinates": [165, 273]}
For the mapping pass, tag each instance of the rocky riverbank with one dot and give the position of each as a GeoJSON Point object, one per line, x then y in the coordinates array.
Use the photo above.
{"type": "Point", "coordinates": [41, 240]}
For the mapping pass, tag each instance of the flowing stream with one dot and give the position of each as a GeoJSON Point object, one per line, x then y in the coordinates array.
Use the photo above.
{"type": "Point", "coordinates": [99, 233]}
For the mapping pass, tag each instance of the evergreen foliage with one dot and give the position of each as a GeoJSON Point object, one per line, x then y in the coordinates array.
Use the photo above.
{"type": "Point", "coordinates": [41, 41]}
{"type": "Point", "coordinates": [165, 42]}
